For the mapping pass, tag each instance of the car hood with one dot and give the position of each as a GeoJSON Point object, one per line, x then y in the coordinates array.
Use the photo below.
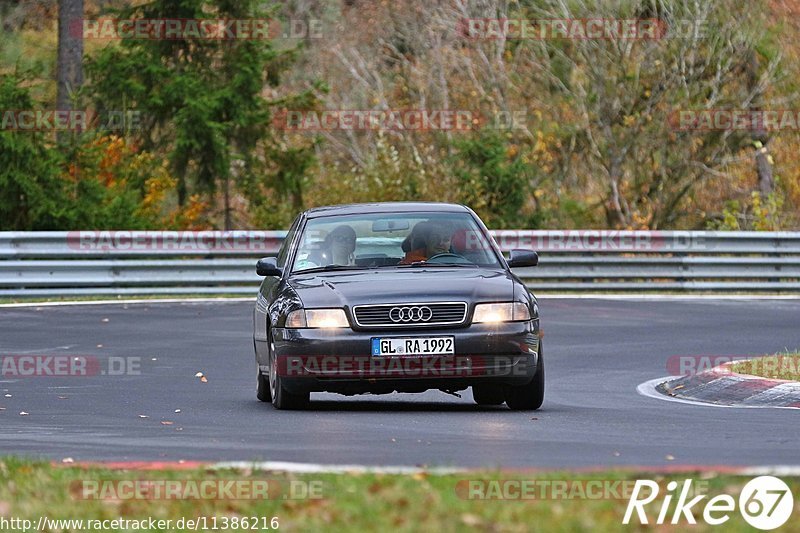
{"type": "Point", "coordinates": [347, 289]}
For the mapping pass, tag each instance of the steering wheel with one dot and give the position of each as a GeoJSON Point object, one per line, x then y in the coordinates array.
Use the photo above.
{"type": "Point", "coordinates": [448, 255]}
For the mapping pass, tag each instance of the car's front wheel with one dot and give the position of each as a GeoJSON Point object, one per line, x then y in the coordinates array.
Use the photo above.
{"type": "Point", "coordinates": [530, 396]}
{"type": "Point", "coordinates": [262, 383]}
{"type": "Point", "coordinates": [281, 398]}
{"type": "Point", "coordinates": [262, 386]}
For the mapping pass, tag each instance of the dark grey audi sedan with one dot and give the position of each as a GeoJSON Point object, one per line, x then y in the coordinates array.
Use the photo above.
{"type": "Point", "coordinates": [377, 298]}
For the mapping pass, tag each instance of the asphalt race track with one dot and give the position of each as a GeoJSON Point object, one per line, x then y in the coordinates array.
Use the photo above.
{"type": "Point", "coordinates": [597, 352]}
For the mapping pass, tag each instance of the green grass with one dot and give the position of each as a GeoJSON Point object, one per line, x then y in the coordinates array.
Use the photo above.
{"type": "Point", "coordinates": [778, 366]}
{"type": "Point", "coordinates": [351, 502]}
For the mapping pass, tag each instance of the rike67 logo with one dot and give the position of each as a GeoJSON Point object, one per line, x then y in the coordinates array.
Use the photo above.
{"type": "Point", "coordinates": [765, 503]}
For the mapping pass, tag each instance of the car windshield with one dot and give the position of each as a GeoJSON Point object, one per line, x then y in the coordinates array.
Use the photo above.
{"type": "Point", "coordinates": [377, 240]}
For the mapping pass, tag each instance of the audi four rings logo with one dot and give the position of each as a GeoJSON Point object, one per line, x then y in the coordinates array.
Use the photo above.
{"type": "Point", "coordinates": [410, 314]}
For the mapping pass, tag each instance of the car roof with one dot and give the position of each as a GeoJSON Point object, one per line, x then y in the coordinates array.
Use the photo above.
{"type": "Point", "coordinates": [385, 207]}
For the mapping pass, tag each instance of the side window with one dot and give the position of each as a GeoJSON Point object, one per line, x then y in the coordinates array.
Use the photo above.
{"type": "Point", "coordinates": [283, 254]}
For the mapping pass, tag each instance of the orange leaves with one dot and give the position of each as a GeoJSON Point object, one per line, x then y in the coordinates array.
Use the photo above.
{"type": "Point", "coordinates": [112, 157]}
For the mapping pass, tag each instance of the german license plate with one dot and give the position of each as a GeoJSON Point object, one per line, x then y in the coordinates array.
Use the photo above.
{"type": "Point", "coordinates": [412, 346]}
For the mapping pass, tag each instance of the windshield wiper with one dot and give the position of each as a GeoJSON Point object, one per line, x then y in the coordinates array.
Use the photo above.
{"type": "Point", "coordinates": [330, 268]}
{"type": "Point", "coordinates": [417, 264]}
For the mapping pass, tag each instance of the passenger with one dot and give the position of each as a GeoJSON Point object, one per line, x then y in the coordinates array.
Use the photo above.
{"type": "Point", "coordinates": [337, 248]}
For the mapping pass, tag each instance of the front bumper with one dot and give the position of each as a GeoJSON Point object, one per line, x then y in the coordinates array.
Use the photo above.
{"type": "Point", "coordinates": [339, 360]}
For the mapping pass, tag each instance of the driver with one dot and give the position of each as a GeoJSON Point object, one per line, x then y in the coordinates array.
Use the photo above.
{"type": "Point", "coordinates": [436, 239]}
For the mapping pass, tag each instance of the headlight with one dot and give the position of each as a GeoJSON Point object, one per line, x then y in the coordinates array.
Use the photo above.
{"type": "Point", "coordinates": [505, 312]}
{"type": "Point", "coordinates": [317, 318]}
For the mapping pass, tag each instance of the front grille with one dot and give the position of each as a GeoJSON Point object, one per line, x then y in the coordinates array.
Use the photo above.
{"type": "Point", "coordinates": [411, 314]}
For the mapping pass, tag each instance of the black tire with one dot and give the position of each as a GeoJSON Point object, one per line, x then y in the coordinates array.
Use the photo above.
{"type": "Point", "coordinates": [262, 383]}
{"type": "Point", "coordinates": [281, 398]}
{"type": "Point", "coordinates": [262, 386]}
{"type": "Point", "coordinates": [528, 397]}
{"type": "Point", "coordinates": [488, 394]}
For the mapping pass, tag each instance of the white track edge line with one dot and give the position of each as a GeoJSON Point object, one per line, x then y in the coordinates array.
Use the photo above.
{"type": "Point", "coordinates": [775, 470]}
{"type": "Point", "coordinates": [648, 389]}
{"type": "Point", "coordinates": [316, 468]}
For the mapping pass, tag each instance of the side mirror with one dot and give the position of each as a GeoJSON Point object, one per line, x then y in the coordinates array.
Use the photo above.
{"type": "Point", "coordinates": [268, 266]}
{"type": "Point", "coordinates": [523, 258]}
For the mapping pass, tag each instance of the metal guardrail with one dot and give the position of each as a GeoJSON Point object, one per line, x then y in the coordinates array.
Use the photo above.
{"type": "Point", "coordinates": [131, 244]}
{"type": "Point", "coordinates": [129, 263]}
